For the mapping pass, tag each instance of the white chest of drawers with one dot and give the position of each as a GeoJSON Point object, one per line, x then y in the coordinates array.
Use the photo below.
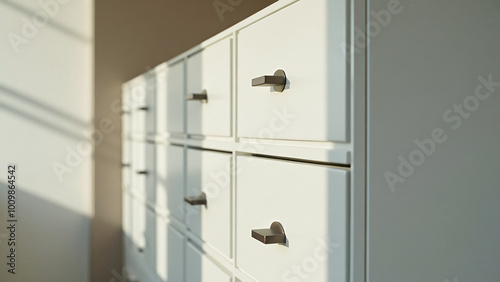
{"type": "Point", "coordinates": [287, 148]}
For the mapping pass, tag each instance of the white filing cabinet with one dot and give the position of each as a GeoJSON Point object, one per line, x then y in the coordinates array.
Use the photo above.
{"type": "Point", "coordinates": [323, 141]}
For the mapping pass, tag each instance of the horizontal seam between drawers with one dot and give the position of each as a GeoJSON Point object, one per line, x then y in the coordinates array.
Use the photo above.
{"type": "Point", "coordinates": [296, 160]}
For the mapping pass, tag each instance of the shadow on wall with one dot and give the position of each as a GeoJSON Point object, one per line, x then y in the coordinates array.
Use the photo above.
{"type": "Point", "coordinates": [43, 251]}
{"type": "Point", "coordinates": [65, 128]}
{"type": "Point", "coordinates": [50, 9]}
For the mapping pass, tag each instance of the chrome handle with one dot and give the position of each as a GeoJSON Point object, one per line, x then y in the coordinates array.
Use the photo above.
{"type": "Point", "coordinates": [274, 235]}
{"type": "Point", "coordinates": [203, 96]}
{"type": "Point", "coordinates": [142, 172]}
{"type": "Point", "coordinates": [196, 200]}
{"type": "Point", "coordinates": [145, 108]}
{"type": "Point", "coordinates": [278, 80]}
{"type": "Point", "coordinates": [125, 165]}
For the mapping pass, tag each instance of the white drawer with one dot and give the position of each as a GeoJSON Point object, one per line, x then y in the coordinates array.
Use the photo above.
{"type": "Point", "coordinates": [209, 172]}
{"type": "Point", "coordinates": [161, 100]}
{"type": "Point", "coordinates": [304, 42]}
{"type": "Point", "coordinates": [143, 105]}
{"type": "Point", "coordinates": [126, 124]}
{"type": "Point", "coordinates": [126, 163]}
{"type": "Point", "coordinates": [210, 71]}
{"type": "Point", "coordinates": [151, 240]}
{"type": "Point", "coordinates": [175, 98]}
{"type": "Point", "coordinates": [138, 228]}
{"type": "Point", "coordinates": [199, 268]}
{"type": "Point", "coordinates": [174, 256]}
{"type": "Point", "coordinates": [138, 165]}
{"type": "Point", "coordinates": [164, 249]}
{"type": "Point", "coordinates": [125, 112]}
{"type": "Point", "coordinates": [127, 215]}
{"type": "Point", "coordinates": [311, 203]}
{"type": "Point", "coordinates": [170, 180]}
{"type": "Point", "coordinates": [143, 171]}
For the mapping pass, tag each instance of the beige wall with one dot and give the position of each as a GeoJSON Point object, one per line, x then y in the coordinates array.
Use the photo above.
{"type": "Point", "coordinates": [131, 37]}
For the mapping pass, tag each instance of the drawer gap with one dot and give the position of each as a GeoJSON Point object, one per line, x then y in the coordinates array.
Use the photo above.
{"type": "Point", "coordinates": [297, 160]}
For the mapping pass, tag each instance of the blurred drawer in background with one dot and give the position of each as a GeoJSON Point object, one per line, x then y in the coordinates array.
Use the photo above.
{"type": "Point", "coordinates": [209, 177]}
{"type": "Point", "coordinates": [200, 268]}
{"type": "Point", "coordinates": [209, 90]}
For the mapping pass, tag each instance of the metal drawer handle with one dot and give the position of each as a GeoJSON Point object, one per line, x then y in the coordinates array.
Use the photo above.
{"type": "Point", "coordinates": [125, 165]}
{"type": "Point", "coordinates": [142, 172]}
{"type": "Point", "coordinates": [274, 235]}
{"type": "Point", "coordinates": [197, 200]}
{"type": "Point", "coordinates": [145, 108]}
{"type": "Point", "coordinates": [202, 97]}
{"type": "Point", "coordinates": [278, 80]}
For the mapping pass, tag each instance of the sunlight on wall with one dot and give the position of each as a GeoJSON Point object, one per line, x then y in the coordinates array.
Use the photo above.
{"type": "Point", "coordinates": [46, 121]}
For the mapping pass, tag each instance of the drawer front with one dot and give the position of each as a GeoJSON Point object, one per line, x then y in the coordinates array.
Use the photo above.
{"type": "Point", "coordinates": [161, 101]}
{"type": "Point", "coordinates": [138, 228]}
{"type": "Point", "coordinates": [310, 202]}
{"type": "Point", "coordinates": [170, 180]}
{"type": "Point", "coordinates": [151, 241]}
{"type": "Point", "coordinates": [313, 105]}
{"type": "Point", "coordinates": [210, 71]}
{"type": "Point", "coordinates": [150, 176]}
{"type": "Point", "coordinates": [164, 249]}
{"type": "Point", "coordinates": [175, 98]}
{"type": "Point", "coordinates": [174, 256]}
{"type": "Point", "coordinates": [209, 172]}
{"type": "Point", "coordinates": [199, 268]}
{"type": "Point", "coordinates": [126, 114]}
{"type": "Point", "coordinates": [143, 174]}
{"type": "Point", "coordinates": [138, 165]}
{"type": "Point", "coordinates": [126, 124]}
{"type": "Point", "coordinates": [126, 163]}
{"type": "Point", "coordinates": [127, 215]}
{"type": "Point", "coordinates": [143, 110]}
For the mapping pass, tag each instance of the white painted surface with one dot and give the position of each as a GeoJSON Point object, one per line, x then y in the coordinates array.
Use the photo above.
{"type": "Point", "coordinates": [441, 223]}
{"type": "Point", "coordinates": [139, 164]}
{"type": "Point", "coordinates": [310, 201]}
{"type": "Point", "coordinates": [46, 111]}
{"type": "Point", "coordinates": [175, 98]}
{"type": "Point", "coordinates": [303, 40]}
{"type": "Point", "coordinates": [161, 74]}
{"type": "Point", "coordinates": [199, 268]}
{"type": "Point", "coordinates": [170, 180]}
{"type": "Point", "coordinates": [127, 163]}
{"type": "Point", "coordinates": [170, 262]}
{"type": "Point", "coordinates": [150, 178]}
{"type": "Point", "coordinates": [127, 215]}
{"type": "Point", "coordinates": [150, 247]}
{"type": "Point", "coordinates": [126, 112]}
{"type": "Point", "coordinates": [143, 95]}
{"type": "Point", "coordinates": [210, 70]}
{"type": "Point", "coordinates": [209, 172]}
{"type": "Point", "coordinates": [138, 225]}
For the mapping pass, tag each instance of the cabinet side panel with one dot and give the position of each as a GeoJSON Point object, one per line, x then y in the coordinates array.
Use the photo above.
{"type": "Point", "coordinates": [434, 130]}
